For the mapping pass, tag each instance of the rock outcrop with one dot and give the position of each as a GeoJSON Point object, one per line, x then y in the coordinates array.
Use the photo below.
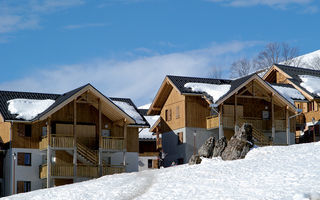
{"type": "Point", "coordinates": [240, 144]}
{"type": "Point", "coordinates": [195, 159]}
{"type": "Point", "coordinates": [219, 147]}
{"type": "Point", "coordinates": [206, 149]}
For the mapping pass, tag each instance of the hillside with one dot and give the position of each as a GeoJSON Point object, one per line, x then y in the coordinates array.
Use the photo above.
{"type": "Point", "coordinates": [291, 172]}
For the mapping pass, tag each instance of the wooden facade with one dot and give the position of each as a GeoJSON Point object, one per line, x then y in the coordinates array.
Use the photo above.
{"type": "Point", "coordinates": [310, 108]}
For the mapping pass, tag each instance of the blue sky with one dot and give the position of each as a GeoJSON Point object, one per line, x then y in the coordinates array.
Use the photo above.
{"type": "Point", "coordinates": [126, 47]}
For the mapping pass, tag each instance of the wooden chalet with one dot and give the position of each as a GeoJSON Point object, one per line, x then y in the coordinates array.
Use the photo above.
{"type": "Point", "coordinates": [189, 115]}
{"type": "Point", "coordinates": [82, 135]}
{"type": "Point", "coordinates": [305, 81]}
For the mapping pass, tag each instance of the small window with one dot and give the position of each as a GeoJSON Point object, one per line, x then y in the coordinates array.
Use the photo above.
{"type": "Point", "coordinates": [105, 133]}
{"type": "Point", "coordinates": [27, 129]}
{"type": "Point", "coordinates": [177, 112]}
{"type": "Point", "coordinates": [44, 131]}
{"type": "Point", "coordinates": [24, 159]}
{"type": "Point", "coordinates": [149, 163]}
{"type": "Point", "coordinates": [168, 114]}
{"type": "Point", "coordinates": [23, 186]}
{"type": "Point", "coordinates": [180, 138]}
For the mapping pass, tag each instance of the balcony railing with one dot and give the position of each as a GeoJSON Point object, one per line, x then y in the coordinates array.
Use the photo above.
{"type": "Point", "coordinates": [212, 122]}
{"type": "Point", "coordinates": [88, 171]}
{"type": "Point", "coordinates": [112, 143]}
{"type": "Point", "coordinates": [112, 169]}
{"type": "Point", "coordinates": [56, 142]}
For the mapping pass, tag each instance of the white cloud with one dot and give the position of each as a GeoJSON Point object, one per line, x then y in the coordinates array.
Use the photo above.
{"type": "Point", "coordinates": [272, 3]}
{"type": "Point", "coordinates": [24, 14]}
{"type": "Point", "coordinates": [138, 78]}
{"type": "Point", "coordinates": [79, 26]}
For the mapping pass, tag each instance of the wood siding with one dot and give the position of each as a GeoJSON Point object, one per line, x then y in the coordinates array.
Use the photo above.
{"type": "Point", "coordinates": [197, 110]}
{"type": "Point", "coordinates": [174, 100]}
{"type": "Point", "coordinates": [5, 132]}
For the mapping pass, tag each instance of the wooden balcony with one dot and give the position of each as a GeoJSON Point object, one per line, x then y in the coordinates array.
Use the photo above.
{"type": "Point", "coordinates": [212, 122]}
{"type": "Point", "coordinates": [88, 171]}
{"type": "Point", "coordinates": [56, 142]}
{"type": "Point", "coordinates": [112, 169]}
{"type": "Point", "coordinates": [112, 143]}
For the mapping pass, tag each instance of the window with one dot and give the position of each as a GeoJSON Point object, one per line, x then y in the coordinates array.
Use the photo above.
{"type": "Point", "coordinates": [180, 138]}
{"type": "Point", "coordinates": [105, 133]}
{"type": "Point", "coordinates": [177, 112]}
{"type": "Point", "coordinates": [23, 186]}
{"type": "Point", "coordinates": [168, 114]}
{"type": "Point", "coordinates": [310, 106]}
{"type": "Point", "coordinates": [24, 130]}
{"type": "Point", "coordinates": [24, 159]}
{"type": "Point", "coordinates": [44, 131]}
{"type": "Point", "coordinates": [180, 161]}
{"type": "Point", "coordinates": [149, 163]}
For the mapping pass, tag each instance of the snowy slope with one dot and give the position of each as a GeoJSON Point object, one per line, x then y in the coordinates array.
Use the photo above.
{"type": "Point", "coordinates": [291, 172]}
{"type": "Point", "coordinates": [308, 59]}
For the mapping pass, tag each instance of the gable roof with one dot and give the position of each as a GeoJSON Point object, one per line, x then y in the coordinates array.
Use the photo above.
{"type": "Point", "coordinates": [60, 101]}
{"type": "Point", "coordinates": [179, 82]}
{"type": "Point", "coordinates": [130, 102]}
{"type": "Point", "coordinates": [293, 74]}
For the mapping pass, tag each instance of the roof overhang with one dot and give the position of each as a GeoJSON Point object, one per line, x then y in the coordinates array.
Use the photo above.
{"type": "Point", "coordinates": [266, 85]}
{"type": "Point", "coordinates": [108, 108]}
{"type": "Point", "coordinates": [161, 96]}
{"type": "Point", "coordinates": [273, 68]}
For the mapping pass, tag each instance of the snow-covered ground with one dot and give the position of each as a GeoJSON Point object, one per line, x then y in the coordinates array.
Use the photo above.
{"type": "Point", "coordinates": [290, 172]}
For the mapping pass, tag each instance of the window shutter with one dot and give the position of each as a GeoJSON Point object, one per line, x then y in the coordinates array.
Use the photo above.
{"type": "Point", "coordinates": [21, 131]}
{"type": "Point", "coordinates": [20, 186]}
{"type": "Point", "coordinates": [20, 158]}
{"type": "Point", "coordinates": [155, 163]}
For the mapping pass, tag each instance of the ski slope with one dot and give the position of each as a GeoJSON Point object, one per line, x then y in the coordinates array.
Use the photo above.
{"type": "Point", "coordinates": [282, 172]}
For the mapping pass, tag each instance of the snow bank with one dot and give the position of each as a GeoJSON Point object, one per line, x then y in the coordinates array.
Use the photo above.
{"type": "Point", "coordinates": [266, 173]}
{"type": "Point", "coordinates": [131, 111]}
{"type": "Point", "coordinates": [28, 109]}
{"type": "Point", "coordinates": [214, 90]}
{"type": "Point", "coordinates": [289, 93]}
{"type": "Point", "coordinates": [145, 134]}
{"type": "Point", "coordinates": [311, 83]}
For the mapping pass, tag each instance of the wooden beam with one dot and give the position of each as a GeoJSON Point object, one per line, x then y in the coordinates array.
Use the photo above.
{"type": "Point", "coordinates": [100, 137]}
{"type": "Point", "coordinates": [253, 97]}
{"type": "Point", "coordinates": [125, 143]}
{"type": "Point", "coordinates": [74, 139]}
{"type": "Point", "coordinates": [49, 152]}
{"type": "Point", "coordinates": [221, 134]}
{"type": "Point", "coordinates": [235, 111]}
{"type": "Point", "coordinates": [272, 115]}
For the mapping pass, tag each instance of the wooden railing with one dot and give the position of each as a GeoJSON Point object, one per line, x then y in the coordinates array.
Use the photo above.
{"type": "Point", "coordinates": [43, 144]}
{"type": "Point", "coordinates": [56, 142]}
{"type": "Point", "coordinates": [61, 141]}
{"type": "Point", "coordinates": [261, 139]}
{"type": "Point", "coordinates": [64, 170]}
{"type": "Point", "coordinates": [113, 169]}
{"type": "Point", "coordinates": [90, 155]}
{"type": "Point", "coordinates": [149, 154]}
{"type": "Point", "coordinates": [312, 114]}
{"type": "Point", "coordinates": [91, 171]}
{"type": "Point", "coordinates": [212, 122]}
{"type": "Point", "coordinates": [112, 143]}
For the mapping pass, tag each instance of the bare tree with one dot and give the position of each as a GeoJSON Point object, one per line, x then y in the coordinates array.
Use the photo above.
{"type": "Point", "coordinates": [241, 68]}
{"type": "Point", "coordinates": [277, 53]}
{"type": "Point", "coordinates": [314, 63]}
{"type": "Point", "coordinates": [215, 73]}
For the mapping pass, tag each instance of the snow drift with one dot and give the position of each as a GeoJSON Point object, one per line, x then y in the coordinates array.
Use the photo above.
{"type": "Point", "coordinates": [287, 172]}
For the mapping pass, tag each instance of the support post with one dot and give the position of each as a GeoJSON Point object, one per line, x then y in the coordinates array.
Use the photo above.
{"type": "Point", "coordinates": [125, 143]}
{"type": "Point", "coordinates": [49, 153]}
{"type": "Point", "coordinates": [287, 125]}
{"type": "Point", "coordinates": [272, 118]}
{"type": "Point", "coordinates": [100, 139]}
{"type": "Point", "coordinates": [221, 133]}
{"type": "Point", "coordinates": [75, 140]}
{"type": "Point", "coordinates": [235, 112]}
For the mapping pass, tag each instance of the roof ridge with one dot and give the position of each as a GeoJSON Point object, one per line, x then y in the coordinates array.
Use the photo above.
{"type": "Point", "coordinates": [218, 79]}
{"type": "Point", "coordinates": [12, 91]}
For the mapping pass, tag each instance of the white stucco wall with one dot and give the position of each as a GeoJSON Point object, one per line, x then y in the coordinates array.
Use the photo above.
{"type": "Point", "coordinates": [175, 151]}
{"type": "Point", "coordinates": [22, 173]}
{"type": "Point", "coordinates": [131, 160]}
{"type": "Point", "coordinates": [143, 162]}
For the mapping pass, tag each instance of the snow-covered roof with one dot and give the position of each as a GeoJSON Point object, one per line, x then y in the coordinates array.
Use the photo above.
{"type": "Point", "coordinates": [289, 92]}
{"type": "Point", "coordinates": [311, 83]}
{"type": "Point", "coordinates": [130, 110]}
{"type": "Point", "coordinates": [27, 109]}
{"type": "Point", "coordinates": [145, 134]}
{"type": "Point", "coordinates": [146, 106]}
{"type": "Point", "coordinates": [216, 91]}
